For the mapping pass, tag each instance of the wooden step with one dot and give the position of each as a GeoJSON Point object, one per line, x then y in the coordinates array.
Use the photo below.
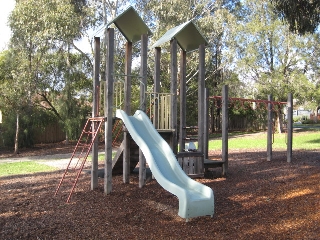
{"type": "Point", "coordinates": [212, 164]}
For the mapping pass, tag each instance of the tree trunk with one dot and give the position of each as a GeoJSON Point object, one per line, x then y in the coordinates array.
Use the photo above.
{"type": "Point", "coordinates": [67, 139]}
{"type": "Point", "coordinates": [16, 140]}
{"type": "Point", "coordinates": [279, 121]}
{"type": "Point", "coordinates": [316, 115]}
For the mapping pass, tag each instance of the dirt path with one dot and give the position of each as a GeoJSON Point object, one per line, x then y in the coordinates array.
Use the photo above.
{"type": "Point", "coordinates": [59, 161]}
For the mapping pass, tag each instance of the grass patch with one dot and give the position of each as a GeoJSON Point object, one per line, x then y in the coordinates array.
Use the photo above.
{"type": "Point", "coordinates": [101, 157]}
{"type": "Point", "coordinates": [27, 167]}
{"type": "Point", "coordinates": [306, 140]}
{"type": "Point", "coordinates": [302, 140]}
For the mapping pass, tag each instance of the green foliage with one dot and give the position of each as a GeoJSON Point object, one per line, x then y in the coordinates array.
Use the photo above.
{"type": "Point", "coordinates": [217, 22]}
{"type": "Point", "coordinates": [307, 121]}
{"type": "Point", "coordinates": [43, 33]}
{"type": "Point", "coordinates": [303, 16]}
{"type": "Point", "coordinates": [30, 120]}
{"type": "Point", "coordinates": [249, 49]}
{"type": "Point", "coordinates": [253, 114]}
{"type": "Point", "coordinates": [296, 119]}
{"type": "Point", "coordinates": [50, 21]}
{"type": "Point", "coordinates": [74, 113]}
{"type": "Point", "coordinates": [15, 90]}
{"type": "Point", "coordinates": [303, 120]}
{"type": "Point", "coordinates": [7, 128]}
{"type": "Point", "coordinates": [241, 108]}
{"type": "Point", "coordinates": [272, 59]}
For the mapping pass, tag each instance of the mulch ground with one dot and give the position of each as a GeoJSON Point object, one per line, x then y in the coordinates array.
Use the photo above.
{"type": "Point", "coordinates": [257, 200]}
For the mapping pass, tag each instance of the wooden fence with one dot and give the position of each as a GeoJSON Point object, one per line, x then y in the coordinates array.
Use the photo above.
{"type": "Point", "coordinates": [50, 134]}
{"type": "Point", "coordinates": [239, 123]}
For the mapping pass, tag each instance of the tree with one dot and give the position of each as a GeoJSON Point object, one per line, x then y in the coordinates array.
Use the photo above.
{"type": "Point", "coordinates": [216, 21]}
{"type": "Point", "coordinates": [69, 91]}
{"type": "Point", "coordinates": [42, 30]}
{"type": "Point", "coordinates": [312, 71]}
{"type": "Point", "coordinates": [303, 16]}
{"type": "Point", "coordinates": [272, 59]}
{"type": "Point", "coordinates": [14, 100]}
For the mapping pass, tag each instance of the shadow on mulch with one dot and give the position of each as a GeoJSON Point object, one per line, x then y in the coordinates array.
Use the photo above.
{"type": "Point", "coordinates": [257, 200]}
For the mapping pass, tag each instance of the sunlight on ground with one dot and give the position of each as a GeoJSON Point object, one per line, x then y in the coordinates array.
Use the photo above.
{"type": "Point", "coordinates": [296, 193]}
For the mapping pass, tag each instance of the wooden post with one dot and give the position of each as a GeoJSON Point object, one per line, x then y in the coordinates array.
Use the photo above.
{"type": "Point", "coordinates": [182, 94]}
{"type": "Point", "coordinates": [289, 127]}
{"type": "Point", "coordinates": [127, 109]}
{"type": "Point", "coordinates": [108, 112]}
{"type": "Point", "coordinates": [173, 91]}
{"type": "Point", "coordinates": [270, 129]}
{"type": "Point", "coordinates": [225, 130]}
{"type": "Point", "coordinates": [143, 71]}
{"type": "Point", "coordinates": [157, 85]}
{"type": "Point", "coordinates": [206, 123]}
{"type": "Point", "coordinates": [201, 84]}
{"type": "Point", "coordinates": [95, 112]}
{"type": "Point", "coordinates": [143, 85]}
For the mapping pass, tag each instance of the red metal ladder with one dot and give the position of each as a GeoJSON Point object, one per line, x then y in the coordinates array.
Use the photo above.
{"type": "Point", "coordinates": [85, 147]}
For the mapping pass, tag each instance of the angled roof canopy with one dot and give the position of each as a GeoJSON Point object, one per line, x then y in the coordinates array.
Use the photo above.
{"type": "Point", "coordinates": [187, 35]}
{"type": "Point", "coordinates": [131, 25]}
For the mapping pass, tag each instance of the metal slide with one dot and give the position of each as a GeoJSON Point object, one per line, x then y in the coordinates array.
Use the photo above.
{"type": "Point", "coordinates": [195, 199]}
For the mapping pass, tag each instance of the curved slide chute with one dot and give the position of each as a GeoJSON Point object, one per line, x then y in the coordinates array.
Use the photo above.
{"type": "Point", "coordinates": [195, 199]}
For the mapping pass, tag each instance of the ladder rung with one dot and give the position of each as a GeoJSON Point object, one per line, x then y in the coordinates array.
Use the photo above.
{"type": "Point", "coordinates": [97, 119]}
{"type": "Point", "coordinates": [82, 157]}
{"type": "Point", "coordinates": [94, 120]}
{"type": "Point", "coordinates": [88, 132]}
{"type": "Point", "coordinates": [83, 144]}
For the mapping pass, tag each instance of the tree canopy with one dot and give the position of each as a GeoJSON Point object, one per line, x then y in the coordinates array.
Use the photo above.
{"type": "Point", "coordinates": [250, 49]}
{"type": "Point", "coordinates": [303, 16]}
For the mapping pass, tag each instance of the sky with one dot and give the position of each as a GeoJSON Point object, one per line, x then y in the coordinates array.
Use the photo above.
{"type": "Point", "coordinates": [6, 6]}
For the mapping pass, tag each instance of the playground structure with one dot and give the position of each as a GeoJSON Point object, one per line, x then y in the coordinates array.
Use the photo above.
{"type": "Point", "coordinates": [163, 111]}
{"type": "Point", "coordinates": [270, 107]}
{"type": "Point", "coordinates": [192, 201]}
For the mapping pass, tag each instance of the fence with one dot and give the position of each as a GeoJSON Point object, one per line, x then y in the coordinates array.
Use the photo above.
{"type": "Point", "coordinates": [244, 114]}
{"type": "Point", "coordinates": [239, 123]}
{"type": "Point", "coordinates": [50, 134]}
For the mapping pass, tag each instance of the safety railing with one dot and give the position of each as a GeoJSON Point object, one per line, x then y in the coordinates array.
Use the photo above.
{"type": "Point", "coordinates": [159, 105]}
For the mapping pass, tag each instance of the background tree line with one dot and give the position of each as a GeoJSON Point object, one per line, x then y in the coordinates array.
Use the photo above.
{"type": "Point", "coordinates": [257, 47]}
